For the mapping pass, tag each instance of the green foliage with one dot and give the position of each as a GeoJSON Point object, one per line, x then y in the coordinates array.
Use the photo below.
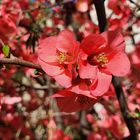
{"type": "Point", "coordinates": [34, 36]}
{"type": "Point", "coordinates": [36, 72]}
{"type": "Point", "coordinates": [6, 50]}
{"type": "Point", "coordinates": [137, 113]}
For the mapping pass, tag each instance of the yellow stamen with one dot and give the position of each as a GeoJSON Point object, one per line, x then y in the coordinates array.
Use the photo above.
{"type": "Point", "coordinates": [101, 59]}
{"type": "Point", "coordinates": [62, 57]}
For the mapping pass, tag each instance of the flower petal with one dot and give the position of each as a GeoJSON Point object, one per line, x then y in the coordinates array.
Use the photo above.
{"type": "Point", "coordinates": [83, 89]}
{"type": "Point", "coordinates": [68, 101]}
{"type": "Point", "coordinates": [51, 70]}
{"type": "Point", "coordinates": [47, 49]}
{"type": "Point", "coordinates": [119, 65]}
{"type": "Point", "coordinates": [101, 86]}
{"type": "Point", "coordinates": [87, 71]}
{"type": "Point", "coordinates": [66, 41]}
{"type": "Point", "coordinates": [114, 39]}
{"type": "Point", "coordinates": [64, 79]}
{"type": "Point", "coordinates": [92, 43]}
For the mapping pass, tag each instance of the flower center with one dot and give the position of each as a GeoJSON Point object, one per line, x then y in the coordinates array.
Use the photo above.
{"type": "Point", "coordinates": [100, 59]}
{"type": "Point", "coordinates": [62, 57]}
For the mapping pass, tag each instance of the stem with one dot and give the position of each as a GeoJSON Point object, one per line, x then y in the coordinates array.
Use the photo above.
{"type": "Point", "coordinates": [137, 5]}
{"type": "Point", "coordinates": [124, 108]}
{"type": "Point", "coordinates": [100, 10]}
{"type": "Point", "coordinates": [69, 9]}
{"type": "Point", "coordinates": [17, 61]}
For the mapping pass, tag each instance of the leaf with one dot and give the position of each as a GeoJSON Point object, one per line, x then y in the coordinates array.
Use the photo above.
{"type": "Point", "coordinates": [36, 72]}
{"type": "Point", "coordinates": [137, 112]}
{"type": "Point", "coordinates": [6, 50]}
{"type": "Point", "coordinates": [31, 41]}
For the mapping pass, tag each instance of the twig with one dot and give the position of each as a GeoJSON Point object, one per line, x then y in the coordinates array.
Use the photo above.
{"type": "Point", "coordinates": [17, 61]}
{"type": "Point", "coordinates": [101, 15]}
{"type": "Point", "coordinates": [138, 6]}
{"type": "Point", "coordinates": [124, 108]}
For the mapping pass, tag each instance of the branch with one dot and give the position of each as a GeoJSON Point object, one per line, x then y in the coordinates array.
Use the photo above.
{"type": "Point", "coordinates": [17, 61]}
{"type": "Point", "coordinates": [136, 4]}
{"type": "Point", "coordinates": [101, 15]}
{"type": "Point", "coordinates": [99, 5]}
{"type": "Point", "coordinates": [124, 108]}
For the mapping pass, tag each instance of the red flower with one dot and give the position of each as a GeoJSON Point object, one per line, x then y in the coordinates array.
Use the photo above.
{"type": "Point", "coordinates": [103, 56]}
{"type": "Point", "coordinates": [80, 96]}
{"type": "Point", "coordinates": [58, 55]}
{"type": "Point", "coordinates": [83, 94]}
{"type": "Point", "coordinates": [69, 101]}
{"type": "Point", "coordinates": [103, 52]}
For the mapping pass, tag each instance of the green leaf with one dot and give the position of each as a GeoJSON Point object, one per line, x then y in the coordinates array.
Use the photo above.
{"type": "Point", "coordinates": [137, 112]}
{"type": "Point", "coordinates": [36, 72]}
{"type": "Point", "coordinates": [6, 50]}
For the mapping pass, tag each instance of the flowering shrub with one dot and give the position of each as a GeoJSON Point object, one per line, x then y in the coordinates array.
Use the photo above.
{"type": "Point", "coordinates": [61, 78]}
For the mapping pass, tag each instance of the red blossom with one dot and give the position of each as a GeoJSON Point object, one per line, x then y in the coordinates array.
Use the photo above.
{"type": "Point", "coordinates": [69, 101]}
{"type": "Point", "coordinates": [104, 52]}
{"type": "Point", "coordinates": [81, 96]}
{"type": "Point", "coordinates": [57, 55]}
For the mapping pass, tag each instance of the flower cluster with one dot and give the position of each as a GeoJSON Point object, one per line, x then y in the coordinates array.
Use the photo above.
{"type": "Point", "coordinates": [85, 69]}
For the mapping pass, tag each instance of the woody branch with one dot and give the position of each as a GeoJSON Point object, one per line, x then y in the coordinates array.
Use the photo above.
{"type": "Point", "coordinates": [17, 61]}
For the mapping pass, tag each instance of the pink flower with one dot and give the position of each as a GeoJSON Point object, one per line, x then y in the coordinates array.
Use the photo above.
{"type": "Point", "coordinates": [57, 55]}
{"type": "Point", "coordinates": [101, 57]}
{"type": "Point", "coordinates": [82, 95]}
{"type": "Point", "coordinates": [103, 52]}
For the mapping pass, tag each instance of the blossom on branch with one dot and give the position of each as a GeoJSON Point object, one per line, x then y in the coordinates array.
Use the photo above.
{"type": "Point", "coordinates": [85, 71]}
{"type": "Point", "coordinates": [69, 101]}
{"type": "Point", "coordinates": [58, 55]}
{"type": "Point", "coordinates": [104, 52]}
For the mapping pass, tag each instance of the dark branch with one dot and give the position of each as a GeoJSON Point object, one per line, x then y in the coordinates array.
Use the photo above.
{"type": "Point", "coordinates": [124, 108]}
{"type": "Point", "coordinates": [16, 61]}
{"type": "Point", "coordinates": [100, 10]}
